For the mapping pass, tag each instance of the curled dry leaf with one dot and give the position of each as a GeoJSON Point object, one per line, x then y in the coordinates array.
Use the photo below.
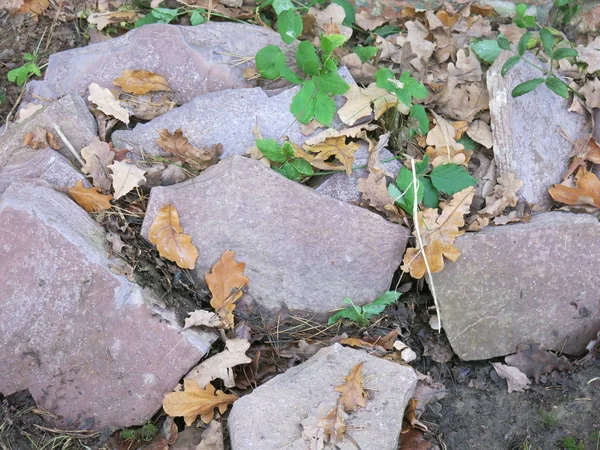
{"type": "Point", "coordinates": [89, 198]}
{"type": "Point", "coordinates": [40, 138]}
{"type": "Point", "coordinates": [517, 381]}
{"type": "Point", "coordinates": [374, 193]}
{"type": "Point", "coordinates": [221, 365]}
{"type": "Point", "coordinates": [504, 195]}
{"type": "Point", "coordinates": [585, 192]}
{"type": "Point", "coordinates": [195, 401]}
{"type": "Point", "coordinates": [107, 103]}
{"type": "Point", "coordinates": [141, 82]}
{"type": "Point", "coordinates": [443, 146]}
{"type": "Point", "coordinates": [98, 156]}
{"type": "Point", "coordinates": [197, 158]}
{"type": "Point", "coordinates": [480, 132]}
{"type": "Point", "coordinates": [170, 241]}
{"type": "Point", "coordinates": [333, 147]}
{"type": "Point", "coordinates": [125, 177]}
{"type": "Point", "coordinates": [438, 233]}
{"type": "Point", "coordinates": [225, 282]}
{"type": "Point", "coordinates": [352, 132]}
{"type": "Point", "coordinates": [203, 318]}
{"type": "Point", "coordinates": [353, 394]}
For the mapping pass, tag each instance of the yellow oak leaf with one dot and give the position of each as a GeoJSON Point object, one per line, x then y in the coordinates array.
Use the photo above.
{"type": "Point", "coordinates": [89, 198]}
{"type": "Point", "coordinates": [141, 82]}
{"type": "Point", "coordinates": [195, 401]}
{"type": "Point", "coordinates": [177, 144]}
{"type": "Point", "coordinates": [353, 394]}
{"type": "Point", "coordinates": [225, 282]}
{"type": "Point", "coordinates": [170, 241]}
{"type": "Point", "coordinates": [333, 147]}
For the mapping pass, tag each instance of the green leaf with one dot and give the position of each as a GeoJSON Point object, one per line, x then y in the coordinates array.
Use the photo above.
{"type": "Point", "coordinates": [467, 142]}
{"type": "Point", "coordinates": [324, 108]}
{"type": "Point", "coordinates": [430, 193]}
{"type": "Point", "coordinates": [146, 20]}
{"type": "Point", "coordinates": [165, 15]}
{"type": "Point", "coordinates": [561, 53]}
{"type": "Point", "coordinates": [307, 59]}
{"type": "Point", "coordinates": [288, 150]}
{"type": "Point", "coordinates": [289, 25]}
{"type": "Point", "coordinates": [526, 86]}
{"type": "Point", "coordinates": [303, 167]}
{"type": "Point", "coordinates": [451, 178]}
{"type": "Point", "coordinates": [365, 53]}
{"type": "Point", "coordinates": [387, 30]}
{"type": "Point", "coordinates": [406, 198]}
{"type": "Point", "coordinates": [487, 50]}
{"type": "Point", "coordinates": [20, 74]}
{"type": "Point", "coordinates": [422, 166]}
{"type": "Point", "coordinates": [290, 75]}
{"type": "Point", "coordinates": [288, 171]}
{"type": "Point", "coordinates": [352, 313]}
{"type": "Point", "coordinates": [522, 45]}
{"type": "Point", "coordinates": [330, 65]}
{"type": "Point", "coordinates": [270, 61]}
{"type": "Point", "coordinates": [282, 5]}
{"type": "Point", "coordinates": [416, 89]}
{"type": "Point", "coordinates": [547, 40]}
{"type": "Point", "coordinates": [382, 79]}
{"type": "Point", "coordinates": [509, 64]}
{"type": "Point", "coordinates": [377, 307]}
{"type": "Point", "coordinates": [419, 113]}
{"type": "Point", "coordinates": [271, 149]}
{"type": "Point", "coordinates": [197, 17]}
{"type": "Point", "coordinates": [29, 57]}
{"type": "Point", "coordinates": [332, 83]}
{"type": "Point", "coordinates": [521, 9]}
{"type": "Point", "coordinates": [557, 86]}
{"type": "Point", "coordinates": [503, 43]}
{"type": "Point", "coordinates": [331, 42]}
{"type": "Point", "coordinates": [303, 103]}
{"type": "Point", "coordinates": [350, 18]}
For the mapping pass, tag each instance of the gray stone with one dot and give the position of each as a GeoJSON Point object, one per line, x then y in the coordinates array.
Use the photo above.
{"type": "Point", "coordinates": [303, 250]}
{"type": "Point", "coordinates": [529, 282]}
{"type": "Point", "coordinates": [225, 117]}
{"type": "Point", "coordinates": [194, 60]}
{"type": "Point", "coordinates": [269, 418]}
{"type": "Point", "coordinates": [74, 333]}
{"type": "Point", "coordinates": [526, 130]}
{"type": "Point", "coordinates": [70, 113]}
{"type": "Point", "coordinates": [344, 188]}
{"type": "Point", "coordinates": [47, 165]}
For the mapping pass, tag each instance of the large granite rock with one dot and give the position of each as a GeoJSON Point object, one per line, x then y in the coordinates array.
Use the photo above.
{"type": "Point", "coordinates": [74, 333]}
{"type": "Point", "coordinates": [269, 418]}
{"type": "Point", "coordinates": [302, 249]}
{"type": "Point", "coordinates": [70, 113]}
{"type": "Point", "coordinates": [529, 282]}
{"type": "Point", "coordinates": [194, 60]}
{"type": "Point", "coordinates": [526, 130]}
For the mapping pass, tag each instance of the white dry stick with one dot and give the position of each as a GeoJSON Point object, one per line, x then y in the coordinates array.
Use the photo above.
{"type": "Point", "coordinates": [422, 247]}
{"type": "Point", "coordinates": [68, 144]}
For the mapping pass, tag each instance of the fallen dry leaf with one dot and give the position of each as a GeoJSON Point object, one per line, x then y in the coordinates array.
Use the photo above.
{"type": "Point", "coordinates": [107, 103]}
{"type": "Point", "coordinates": [195, 401]}
{"type": "Point", "coordinates": [353, 394]}
{"type": "Point", "coordinates": [534, 361]}
{"type": "Point", "coordinates": [324, 426]}
{"type": "Point", "coordinates": [225, 282]}
{"type": "Point", "coordinates": [330, 19]}
{"type": "Point", "coordinates": [591, 92]}
{"type": "Point", "coordinates": [34, 7]}
{"type": "Point", "coordinates": [170, 241]}
{"type": "Point", "coordinates": [414, 440]}
{"type": "Point", "coordinates": [221, 365]}
{"type": "Point", "coordinates": [333, 147]}
{"type": "Point", "coordinates": [504, 195]}
{"type": "Point", "coordinates": [334, 424]}
{"type": "Point", "coordinates": [197, 158]}
{"type": "Point", "coordinates": [481, 132]}
{"type": "Point", "coordinates": [147, 106]}
{"type": "Point", "coordinates": [98, 156]}
{"type": "Point", "coordinates": [517, 381]}
{"type": "Point", "coordinates": [141, 82]}
{"type": "Point", "coordinates": [467, 68]}
{"type": "Point", "coordinates": [125, 177]}
{"type": "Point", "coordinates": [417, 37]}
{"type": "Point", "coordinates": [443, 146]}
{"type": "Point", "coordinates": [40, 138]}
{"type": "Point", "coordinates": [28, 111]}
{"type": "Point", "coordinates": [590, 54]}
{"type": "Point", "coordinates": [438, 233]}
{"type": "Point", "coordinates": [374, 193]}
{"type": "Point", "coordinates": [104, 19]}
{"type": "Point", "coordinates": [585, 192]}
{"type": "Point", "coordinates": [364, 102]}
{"type": "Point", "coordinates": [203, 318]}
{"type": "Point", "coordinates": [212, 437]}
{"type": "Point", "coordinates": [89, 198]}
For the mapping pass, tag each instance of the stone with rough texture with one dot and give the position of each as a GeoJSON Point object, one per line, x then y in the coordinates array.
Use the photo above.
{"type": "Point", "coordinates": [303, 250]}
{"type": "Point", "coordinates": [344, 187]}
{"type": "Point", "coordinates": [526, 130]}
{"type": "Point", "coordinates": [74, 333]}
{"type": "Point", "coordinates": [529, 282]}
{"type": "Point", "coordinates": [46, 164]}
{"type": "Point", "coordinates": [194, 60]}
{"type": "Point", "coordinates": [299, 391]}
{"type": "Point", "coordinates": [70, 113]}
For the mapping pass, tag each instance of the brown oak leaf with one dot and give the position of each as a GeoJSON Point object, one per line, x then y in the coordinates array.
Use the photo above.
{"type": "Point", "coordinates": [170, 241]}
{"type": "Point", "coordinates": [141, 82]}
{"type": "Point", "coordinates": [333, 147]}
{"type": "Point", "coordinates": [89, 198]}
{"type": "Point", "coordinates": [585, 192]}
{"type": "Point", "coordinates": [197, 158]}
{"type": "Point", "coordinates": [98, 156]}
{"type": "Point", "coordinates": [353, 394]}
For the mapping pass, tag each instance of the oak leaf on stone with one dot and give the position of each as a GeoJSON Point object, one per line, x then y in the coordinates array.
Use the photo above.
{"type": "Point", "coordinates": [221, 365]}
{"type": "Point", "coordinates": [98, 156]}
{"type": "Point", "coordinates": [225, 282]}
{"type": "Point", "coordinates": [196, 401]}
{"type": "Point", "coordinates": [139, 82]}
{"type": "Point", "coordinates": [337, 148]}
{"type": "Point", "coordinates": [585, 192]}
{"type": "Point", "coordinates": [125, 177]}
{"type": "Point", "coordinates": [167, 234]}
{"type": "Point", "coordinates": [197, 158]}
{"type": "Point", "coordinates": [89, 198]}
{"type": "Point", "coordinates": [353, 394]}
{"type": "Point", "coordinates": [107, 103]}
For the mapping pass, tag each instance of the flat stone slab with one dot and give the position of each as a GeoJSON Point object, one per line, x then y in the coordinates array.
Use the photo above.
{"type": "Point", "coordinates": [194, 60]}
{"type": "Point", "coordinates": [269, 418]}
{"type": "Point", "coordinates": [303, 250]}
{"type": "Point", "coordinates": [70, 113]}
{"type": "Point", "coordinates": [526, 130]}
{"type": "Point", "coordinates": [516, 284]}
{"type": "Point", "coordinates": [74, 333]}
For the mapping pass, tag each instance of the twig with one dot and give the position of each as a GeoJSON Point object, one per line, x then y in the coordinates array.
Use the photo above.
{"type": "Point", "coordinates": [420, 240]}
{"type": "Point", "coordinates": [68, 144]}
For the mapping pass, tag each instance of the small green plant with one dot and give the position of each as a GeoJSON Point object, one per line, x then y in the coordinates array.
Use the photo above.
{"type": "Point", "coordinates": [167, 15]}
{"type": "Point", "coordinates": [321, 81]}
{"type": "Point", "coordinates": [570, 443]}
{"type": "Point", "coordinates": [521, 19]}
{"type": "Point", "coordinates": [548, 419]}
{"type": "Point", "coordinates": [145, 433]}
{"type": "Point", "coordinates": [21, 74]}
{"type": "Point", "coordinates": [361, 315]}
{"type": "Point", "coordinates": [286, 163]}
{"type": "Point", "coordinates": [446, 178]}
{"type": "Point", "coordinates": [566, 10]}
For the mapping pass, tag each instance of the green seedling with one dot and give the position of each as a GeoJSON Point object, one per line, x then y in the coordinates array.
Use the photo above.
{"type": "Point", "coordinates": [548, 419]}
{"type": "Point", "coordinates": [145, 433]}
{"type": "Point", "coordinates": [286, 163]}
{"type": "Point", "coordinates": [361, 315]}
{"type": "Point", "coordinates": [21, 74]}
{"type": "Point", "coordinates": [566, 10]}
{"type": "Point", "coordinates": [570, 443]}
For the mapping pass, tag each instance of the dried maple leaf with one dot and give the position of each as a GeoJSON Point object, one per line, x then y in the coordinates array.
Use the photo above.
{"type": "Point", "coordinates": [141, 82]}
{"type": "Point", "coordinates": [333, 147]}
{"type": "Point", "coordinates": [534, 361]}
{"type": "Point", "coordinates": [98, 156]}
{"type": "Point", "coordinates": [517, 381]}
{"type": "Point", "coordinates": [125, 177]}
{"type": "Point", "coordinates": [225, 282]}
{"type": "Point", "coordinates": [585, 192]}
{"type": "Point", "coordinates": [353, 394]}
{"type": "Point", "coordinates": [107, 103]}
{"type": "Point", "coordinates": [170, 241]}
{"type": "Point", "coordinates": [40, 138]}
{"type": "Point", "coordinates": [89, 198]}
{"type": "Point", "coordinates": [438, 233]}
{"type": "Point", "coordinates": [221, 365]}
{"type": "Point", "coordinates": [195, 401]}
{"type": "Point", "coordinates": [197, 158]}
